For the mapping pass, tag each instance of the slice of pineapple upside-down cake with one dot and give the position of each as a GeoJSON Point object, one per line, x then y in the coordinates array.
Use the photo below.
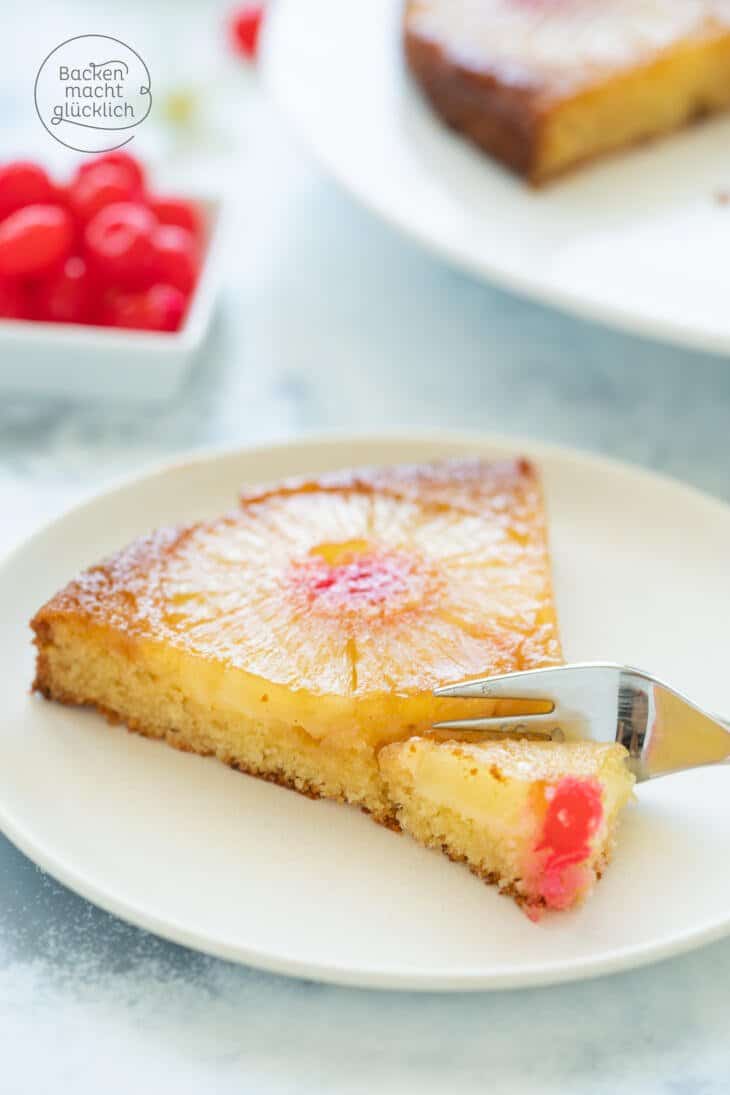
{"type": "Point", "coordinates": [296, 636]}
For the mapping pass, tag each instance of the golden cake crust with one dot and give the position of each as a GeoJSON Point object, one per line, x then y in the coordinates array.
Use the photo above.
{"type": "Point", "coordinates": [120, 591]}
{"type": "Point", "coordinates": [503, 119]}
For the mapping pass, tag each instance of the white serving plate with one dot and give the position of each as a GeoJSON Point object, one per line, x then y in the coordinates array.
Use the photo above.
{"type": "Point", "coordinates": [240, 868]}
{"type": "Point", "coordinates": [638, 241]}
{"type": "Point", "coordinates": [81, 362]}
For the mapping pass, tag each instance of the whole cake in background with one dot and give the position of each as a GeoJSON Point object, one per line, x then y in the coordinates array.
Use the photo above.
{"type": "Point", "coordinates": [543, 85]}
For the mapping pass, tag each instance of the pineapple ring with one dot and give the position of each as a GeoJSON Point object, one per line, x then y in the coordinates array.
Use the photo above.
{"type": "Point", "coordinates": [343, 590]}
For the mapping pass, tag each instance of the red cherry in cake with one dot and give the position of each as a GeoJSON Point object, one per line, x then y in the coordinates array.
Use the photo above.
{"type": "Point", "coordinates": [355, 576]}
{"type": "Point", "coordinates": [575, 810]}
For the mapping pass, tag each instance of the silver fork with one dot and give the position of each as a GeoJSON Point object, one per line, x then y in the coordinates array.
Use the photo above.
{"type": "Point", "coordinates": [662, 730]}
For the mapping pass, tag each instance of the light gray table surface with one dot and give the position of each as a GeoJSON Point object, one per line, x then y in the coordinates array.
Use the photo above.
{"type": "Point", "coordinates": [328, 319]}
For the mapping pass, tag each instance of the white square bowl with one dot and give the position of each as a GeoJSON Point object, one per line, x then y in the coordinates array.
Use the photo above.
{"type": "Point", "coordinates": [83, 362]}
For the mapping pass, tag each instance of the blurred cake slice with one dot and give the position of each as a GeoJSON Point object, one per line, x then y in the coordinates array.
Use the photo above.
{"type": "Point", "coordinates": [543, 85]}
{"type": "Point", "coordinates": [297, 635]}
{"type": "Point", "coordinates": [536, 818]}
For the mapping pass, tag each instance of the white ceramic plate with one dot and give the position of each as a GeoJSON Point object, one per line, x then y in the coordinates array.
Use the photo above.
{"type": "Point", "coordinates": [638, 241]}
{"type": "Point", "coordinates": [237, 867]}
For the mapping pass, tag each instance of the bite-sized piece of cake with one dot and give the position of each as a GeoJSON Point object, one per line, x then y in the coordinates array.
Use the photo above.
{"type": "Point", "coordinates": [545, 84]}
{"type": "Point", "coordinates": [537, 818]}
{"type": "Point", "coordinates": [296, 636]}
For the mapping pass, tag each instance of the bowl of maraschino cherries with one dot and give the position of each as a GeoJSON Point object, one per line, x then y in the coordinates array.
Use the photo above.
{"type": "Point", "coordinates": [102, 248]}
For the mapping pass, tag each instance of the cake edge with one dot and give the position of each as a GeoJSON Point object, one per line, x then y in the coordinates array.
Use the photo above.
{"type": "Point", "coordinates": [45, 684]}
{"type": "Point", "coordinates": [501, 120]}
